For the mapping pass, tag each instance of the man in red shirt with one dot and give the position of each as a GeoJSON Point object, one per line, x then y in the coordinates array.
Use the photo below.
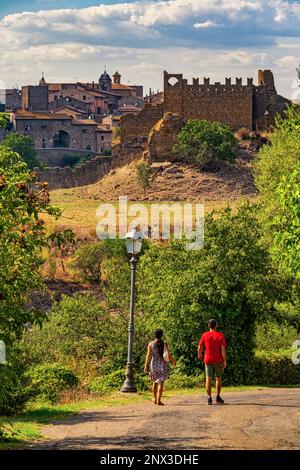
{"type": "Point", "coordinates": [214, 358]}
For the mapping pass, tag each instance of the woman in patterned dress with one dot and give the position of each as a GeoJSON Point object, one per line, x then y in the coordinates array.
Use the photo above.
{"type": "Point", "coordinates": [159, 370]}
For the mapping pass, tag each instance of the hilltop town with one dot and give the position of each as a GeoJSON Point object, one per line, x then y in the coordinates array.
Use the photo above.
{"type": "Point", "coordinates": [113, 124]}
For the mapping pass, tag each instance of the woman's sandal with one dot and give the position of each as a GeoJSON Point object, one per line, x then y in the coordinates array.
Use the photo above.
{"type": "Point", "coordinates": [160, 403]}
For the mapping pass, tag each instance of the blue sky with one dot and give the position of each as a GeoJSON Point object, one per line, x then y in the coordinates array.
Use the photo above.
{"type": "Point", "coordinates": [75, 39]}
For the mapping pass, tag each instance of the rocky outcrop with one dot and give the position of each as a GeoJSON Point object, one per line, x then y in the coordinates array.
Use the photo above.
{"type": "Point", "coordinates": [162, 137]}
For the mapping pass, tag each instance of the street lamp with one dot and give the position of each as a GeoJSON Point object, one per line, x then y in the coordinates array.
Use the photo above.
{"type": "Point", "coordinates": [134, 242]}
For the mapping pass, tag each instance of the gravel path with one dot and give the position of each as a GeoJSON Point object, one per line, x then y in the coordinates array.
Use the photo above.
{"type": "Point", "coordinates": [260, 419]}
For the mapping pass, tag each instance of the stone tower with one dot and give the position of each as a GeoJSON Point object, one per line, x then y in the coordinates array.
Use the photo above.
{"type": "Point", "coordinates": [105, 82]}
{"type": "Point", "coordinates": [117, 78]}
{"type": "Point", "coordinates": [266, 77]}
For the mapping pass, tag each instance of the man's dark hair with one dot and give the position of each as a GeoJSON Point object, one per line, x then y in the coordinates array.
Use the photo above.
{"type": "Point", "coordinates": [160, 344]}
{"type": "Point", "coordinates": [212, 323]}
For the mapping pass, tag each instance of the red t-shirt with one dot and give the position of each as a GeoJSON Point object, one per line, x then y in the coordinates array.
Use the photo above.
{"type": "Point", "coordinates": [212, 342]}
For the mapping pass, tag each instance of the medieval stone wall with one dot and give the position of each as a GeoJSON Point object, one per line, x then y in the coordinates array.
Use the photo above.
{"type": "Point", "coordinates": [231, 103]}
{"type": "Point", "coordinates": [137, 126]}
{"type": "Point", "coordinates": [162, 138]}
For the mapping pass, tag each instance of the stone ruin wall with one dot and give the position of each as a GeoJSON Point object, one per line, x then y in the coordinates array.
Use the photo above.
{"type": "Point", "coordinates": [86, 173]}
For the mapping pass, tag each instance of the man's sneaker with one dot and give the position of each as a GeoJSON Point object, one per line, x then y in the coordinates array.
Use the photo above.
{"type": "Point", "coordinates": [209, 401]}
{"type": "Point", "coordinates": [219, 399]}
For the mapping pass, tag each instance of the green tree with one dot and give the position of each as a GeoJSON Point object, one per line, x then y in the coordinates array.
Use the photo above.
{"type": "Point", "coordinates": [24, 146]}
{"type": "Point", "coordinates": [274, 162]}
{"type": "Point", "coordinates": [4, 120]}
{"type": "Point", "coordinates": [22, 236]}
{"type": "Point", "coordinates": [145, 175]}
{"type": "Point", "coordinates": [200, 142]}
{"type": "Point", "coordinates": [286, 223]}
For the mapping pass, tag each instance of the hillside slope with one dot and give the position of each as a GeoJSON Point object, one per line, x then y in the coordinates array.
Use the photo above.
{"type": "Point", "coordinates": [177, 182]}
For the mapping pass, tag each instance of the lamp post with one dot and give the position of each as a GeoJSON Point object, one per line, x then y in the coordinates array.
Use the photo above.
{"type": "Point", "coordinates": [134, 242]}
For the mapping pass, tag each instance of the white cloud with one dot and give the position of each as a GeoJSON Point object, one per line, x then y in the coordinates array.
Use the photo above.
{"type": "Point", "coordinates": [287, 62]}
{"type": "Point", "coordinates": [205, 24]}
{"type": "Point", "coordinates": [222, 37]}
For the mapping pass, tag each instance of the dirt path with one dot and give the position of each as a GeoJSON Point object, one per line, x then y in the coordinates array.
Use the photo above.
{"type": "Point", "coordinates": [260, 419]}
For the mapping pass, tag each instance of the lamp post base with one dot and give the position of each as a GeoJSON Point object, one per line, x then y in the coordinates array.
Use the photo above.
{"type": "Point", "coordinates": [129, 386]}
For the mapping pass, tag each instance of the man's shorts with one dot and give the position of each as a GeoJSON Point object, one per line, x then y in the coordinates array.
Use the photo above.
{"type": "Point", "coordinates": [214, 370]}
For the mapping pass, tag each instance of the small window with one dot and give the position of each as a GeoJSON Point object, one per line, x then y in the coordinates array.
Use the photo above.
{"type": "Point", "coordinates": [84, 97]}
{"type": "Point", "coordinates": [102, 137]}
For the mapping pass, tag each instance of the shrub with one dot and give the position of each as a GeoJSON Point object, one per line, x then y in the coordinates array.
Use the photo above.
{"type": "Point", "coordinates": [13, 395]}
{"type": "Point", "coordinates": [145, 175]}
{"type": "Point", "coordinates": [275, 368]}
{"type": "Point", "coordinates": [70, 160]}
{"type": "Point", "coordinates": [47, 381]}
{"type": "Point", "coordinates": [78, 327]}
{"type": "Point", "coordinates": [203, 142]}
{"type": "Point", "coordinates": [115, 380]}
{"type": "Point", "coordinates": [23, 145]}
{"type": "Point", "coordinates": [273, 336]}
{"type": "Point", "coordinates": [180, 380]}
{"type": "Point", "coordinates": [88, 259]}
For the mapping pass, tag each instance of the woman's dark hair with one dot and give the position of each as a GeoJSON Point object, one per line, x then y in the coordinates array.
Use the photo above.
{"type": "Point", "coordinates": [160, 344]}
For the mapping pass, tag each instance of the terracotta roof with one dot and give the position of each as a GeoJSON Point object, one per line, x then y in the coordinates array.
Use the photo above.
{"type": "Point", "coordinates": [80, 122]}
{"type": "Point", "coordinates": [47, 116]}
{"type": "Point", "coordinates": [120, 86]}
{"type": "Point", "coordinates": [103, 129]}
{"type": "Point", "coordinates": [70, 111]}
{"type": "Point", "coordinates": [55, 87]}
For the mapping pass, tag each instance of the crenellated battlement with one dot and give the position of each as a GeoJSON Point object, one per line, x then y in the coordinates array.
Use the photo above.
{"type": "Point", "coordinates": [176, 81]}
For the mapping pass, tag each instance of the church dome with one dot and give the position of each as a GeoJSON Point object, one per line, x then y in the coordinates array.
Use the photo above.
{"type": "Point", "coordinates": [105, 76]}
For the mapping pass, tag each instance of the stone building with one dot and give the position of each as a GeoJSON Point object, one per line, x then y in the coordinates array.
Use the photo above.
{"type": "Point", "coordinates": [56, 134]}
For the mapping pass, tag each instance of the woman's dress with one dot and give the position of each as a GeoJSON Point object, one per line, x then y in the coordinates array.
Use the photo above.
{"type": "Point", "coordinates": [159, 370]}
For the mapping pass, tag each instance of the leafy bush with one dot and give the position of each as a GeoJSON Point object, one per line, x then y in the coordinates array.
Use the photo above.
{"type": "Point", "coordinates": [47, 381]}
{"type": "Point", "coordinates": [179, 380]}
{"type": "Point", "coordinates": [89, 257]}
{"type": "Point", "coordinates": [70, 160]}
{"type": "Point", "coordinates": [115, 380]}
{"type": "Point", "coordinates": [202, 142]}
{"type": "Point", "coordinates": [23, 145]}
{"type": "Point", "coordinates": [273, 336]}
{"type": "Point", "coordinates": [78, 327]}
{"type": "Point", "coordinates": [13, 395]}
{"type": "Point", "coordinates": [275, 368]}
